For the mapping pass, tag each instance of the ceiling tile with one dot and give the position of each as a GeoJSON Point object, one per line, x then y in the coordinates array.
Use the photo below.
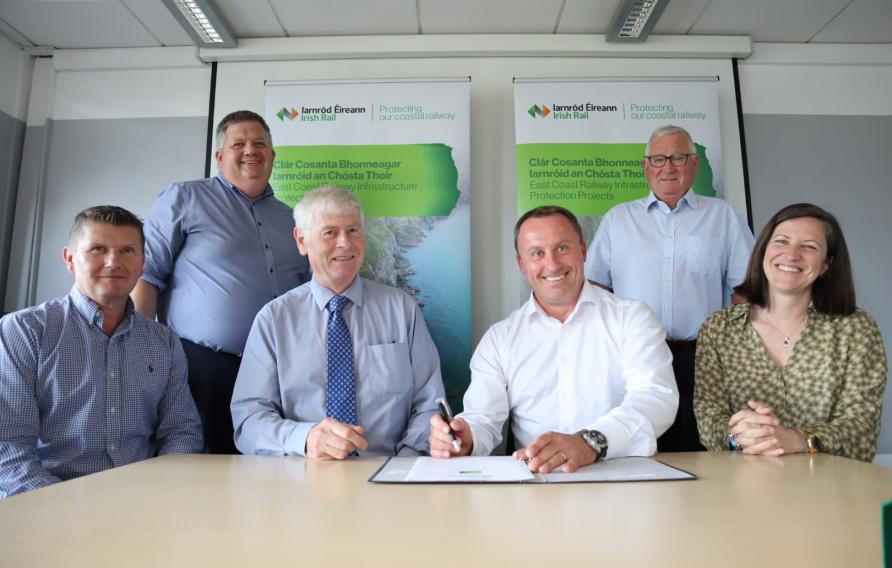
{"type": "Point", "coordinates": [251, 18]}
{"type": "Point", "coordinates": [489, 16]}
{"type": "Point", "coordinates": [587, 16]}
{"type": "Point", "coordinates": [768, 20]}
{"type": "Point", "coordinates": [76, 23]}
{"type": "Point", "coordinates": [679, 16]}
{"type": "Point", "coordinates": [863, 21]}
{"type": "Point", "coordinates": [347, 17]}
{"type": "Point", "coordinates": [159, 21]}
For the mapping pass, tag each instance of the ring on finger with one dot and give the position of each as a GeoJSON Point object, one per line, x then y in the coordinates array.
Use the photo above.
{"type": "Point", "coordinates": [734, 443]}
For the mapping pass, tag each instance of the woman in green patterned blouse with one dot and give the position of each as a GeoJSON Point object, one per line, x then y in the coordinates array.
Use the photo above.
{"type": "Point", "coordinates": [797, 367]}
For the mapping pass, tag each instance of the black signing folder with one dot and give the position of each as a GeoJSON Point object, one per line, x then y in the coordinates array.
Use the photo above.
{"type": "Point", "coordinates": [506, 469]}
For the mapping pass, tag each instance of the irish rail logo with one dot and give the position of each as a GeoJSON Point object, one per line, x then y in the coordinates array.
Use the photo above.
{"type": "Point", "coordinates": [285, 113]}
{"type": "Point", "coordinates": [541, 112]}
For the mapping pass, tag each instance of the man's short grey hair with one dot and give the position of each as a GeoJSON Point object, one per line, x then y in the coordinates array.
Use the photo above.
{"type": "Point", "coordinates": [668, 130]}
{"type": "Point", "coordinates": [236, 117]}
{"type": "Point", "coordinates": [326, 199]}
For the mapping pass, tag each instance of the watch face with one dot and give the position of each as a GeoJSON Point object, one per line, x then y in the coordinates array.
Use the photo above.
{"type": "Point", "coordinates": [596, 441]}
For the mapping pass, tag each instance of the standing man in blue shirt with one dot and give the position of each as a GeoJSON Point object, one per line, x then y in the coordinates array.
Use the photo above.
{"type": "Point", "coordinates": [217, 250]}
{"type": "Point", "coordinates": [680, 252]}
{"type": "Point", "coordinates": [341, 365]}
{"type": "Point", "coordinates": [86, 383]}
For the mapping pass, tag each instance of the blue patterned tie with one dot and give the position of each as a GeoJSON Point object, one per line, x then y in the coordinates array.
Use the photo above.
{"type": "Point", "coordinates": [340, 401]}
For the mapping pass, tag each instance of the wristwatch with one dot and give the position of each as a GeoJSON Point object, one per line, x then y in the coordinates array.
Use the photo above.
{"type": "Point", "coordinates": [596, 441]}
{"type": "Point", "coordinates": [813, 444]}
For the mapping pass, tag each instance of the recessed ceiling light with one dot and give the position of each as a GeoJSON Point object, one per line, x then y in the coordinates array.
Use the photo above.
{"type": "Point", "coordinates": [202, 21]}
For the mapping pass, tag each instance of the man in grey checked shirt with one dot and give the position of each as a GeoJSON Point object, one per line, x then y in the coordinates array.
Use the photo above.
{"type": "Point", "coordinates": [86, 383]}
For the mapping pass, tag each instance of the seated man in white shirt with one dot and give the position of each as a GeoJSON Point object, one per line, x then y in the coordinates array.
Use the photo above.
{"type": "Point", "coordinates": [583, 374]}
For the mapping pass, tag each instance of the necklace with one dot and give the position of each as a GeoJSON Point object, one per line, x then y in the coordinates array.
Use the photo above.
{"type": "Point", "coordinates": [787, 341]}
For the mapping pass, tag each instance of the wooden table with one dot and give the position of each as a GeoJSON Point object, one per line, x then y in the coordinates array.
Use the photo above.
{"type": "Point", "coordinates": [244, 511]}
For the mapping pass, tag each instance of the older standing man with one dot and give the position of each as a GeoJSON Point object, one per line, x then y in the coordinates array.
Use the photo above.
{"type": "Point", "coordinates": [341, 365]}
{"type": "Point", "coordinates": [583, 375]}
{"type": "Point", "coordinates": [87, 384]}
{"type": "Point", "coordinates": [217, 250]}
{"type": "Point", "coordinates": [680, 252]}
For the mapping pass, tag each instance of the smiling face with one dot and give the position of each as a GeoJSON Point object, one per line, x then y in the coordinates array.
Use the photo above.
{"type": "Point", "coordinates": [246, 157]}
{"type": "Point", "coordinates": [335, 247]}
{"type": "Point", "coordinates": [551, 257]}
{"type": "Point", "coordinates": [106, 262]}
{"type": "Point", "coordinates": [670, 183]}
{"type": "Point", "coordinates": [796, 256]}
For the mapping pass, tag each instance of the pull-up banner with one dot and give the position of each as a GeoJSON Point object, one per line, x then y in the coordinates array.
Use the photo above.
{"type": "Point", "coordinates": [402, 147]}
{"type": "Point", "coordinates": [580, 143]}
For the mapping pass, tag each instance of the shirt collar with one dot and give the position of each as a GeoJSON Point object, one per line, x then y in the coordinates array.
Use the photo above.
{"type": "Point", "coordinates": [322, 295]}
{"type": "Point", "coordinates": [230, 186]}
{"type": "Point", "coordinates": [588, 296]}
{"type": "Point", "coordinates": [689, 199]}
{"type": "Point", "coordinates": [89, 310]}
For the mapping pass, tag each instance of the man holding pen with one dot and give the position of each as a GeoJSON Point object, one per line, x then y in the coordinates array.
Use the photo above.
{"type": "Point", "coordinates": [583, 375]}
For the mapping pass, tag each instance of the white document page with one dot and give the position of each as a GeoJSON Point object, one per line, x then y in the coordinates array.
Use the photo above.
{"type": "Point", "coordinates": [469, 469]}
{"type": "Point", "coordinates": [621, 469]}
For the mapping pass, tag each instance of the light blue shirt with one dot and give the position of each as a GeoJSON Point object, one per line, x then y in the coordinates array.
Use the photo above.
{"type": "Point", "coordinates": [684, 263]}
{"type": "Point", "coordinates": [280, 391]}
{"type": "Point", "coordinates": [75, 401]}
{"type": "Point", "coordinates": [217, 257]}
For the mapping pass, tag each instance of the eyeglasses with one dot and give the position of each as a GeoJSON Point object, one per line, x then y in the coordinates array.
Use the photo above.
{"type": "Point", "coordinates": [659, 161]}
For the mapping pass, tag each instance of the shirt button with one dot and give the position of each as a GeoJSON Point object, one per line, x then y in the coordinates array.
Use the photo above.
{"type": "Point", "coordinates": [113, 375]}
{"type": "Point", "coordinates": [266, 246]}
{"type": "Point", "coordinates": [270, 270]}
{"type": "Point", "coordinates": [112, 447]}
{"type": "Point", "coordinates": [259, 224]}
{"type": "Point", "coordinates": [112, 409]}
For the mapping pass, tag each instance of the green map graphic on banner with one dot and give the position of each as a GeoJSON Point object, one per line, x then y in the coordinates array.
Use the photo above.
{"type": "Point", "coordinates": [396, 180]}
{"type": "Point", "coordinates": [588, 178]}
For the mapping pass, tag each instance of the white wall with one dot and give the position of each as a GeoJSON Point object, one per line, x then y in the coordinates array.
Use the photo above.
{"type": "Point", "coordinates": [15, 67]}
{"type": "Point", "coordinates": [104, 126]}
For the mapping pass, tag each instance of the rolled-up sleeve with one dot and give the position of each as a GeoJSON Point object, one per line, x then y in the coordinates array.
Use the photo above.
{"type": "Point", "coordinates": [165, 235]}
{"type": "Point", "coordinates": [739, 243]}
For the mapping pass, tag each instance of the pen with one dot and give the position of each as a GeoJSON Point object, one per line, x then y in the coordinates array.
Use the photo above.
{"type": "Point", "coordinates": [446, 413]}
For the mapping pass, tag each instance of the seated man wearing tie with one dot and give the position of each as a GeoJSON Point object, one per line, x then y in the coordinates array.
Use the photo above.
{"type": "Point", "coordinates": [584, 375]}
{"type": "Point", "coordinates": [341, 365]}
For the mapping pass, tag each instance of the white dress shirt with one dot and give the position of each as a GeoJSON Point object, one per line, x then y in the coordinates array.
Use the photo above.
{"type": "Point", "coordinates": [684, 262]}
{"type": "Point", "coordinates": [606, 368]}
